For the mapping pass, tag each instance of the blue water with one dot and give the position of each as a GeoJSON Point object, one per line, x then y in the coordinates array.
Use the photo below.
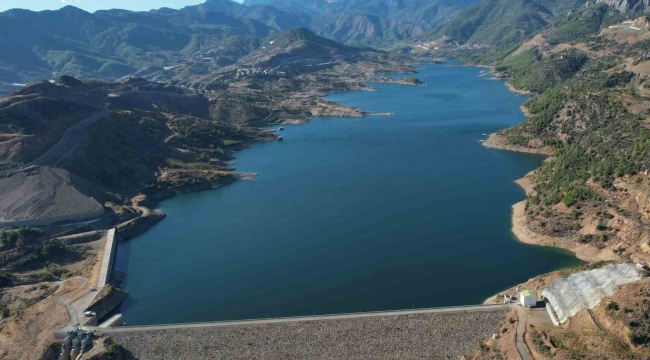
{"type": "Point", "coordinates": [350, 215]}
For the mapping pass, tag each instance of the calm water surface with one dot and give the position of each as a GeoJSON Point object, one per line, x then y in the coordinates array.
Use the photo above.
{"type": "Point", "coordinates": [350, 215]}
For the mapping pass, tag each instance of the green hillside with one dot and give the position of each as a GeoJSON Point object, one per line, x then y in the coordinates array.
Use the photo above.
{"type": "Point", "coordinates": [502, 22]}
{"type": "Point", "coordinates": [115, 43]}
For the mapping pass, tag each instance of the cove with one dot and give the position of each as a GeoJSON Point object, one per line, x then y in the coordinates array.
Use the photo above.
{"type": "Point", "coordinates": [350, 215]}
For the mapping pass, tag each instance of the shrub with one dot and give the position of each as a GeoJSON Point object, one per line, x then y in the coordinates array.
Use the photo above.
{"type": "Point", "coordinates": [638, 338]}
{"type": "Point", "coordinates": [6, 278]}
{"type": "Point", "coordinates": [483, 348]}
{"type": "Point", "coordinates": [539, 344]}
{"type": "Point", "coordinates": [110, 345]}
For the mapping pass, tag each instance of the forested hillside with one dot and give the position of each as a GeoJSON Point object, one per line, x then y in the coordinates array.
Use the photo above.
{"type": "Point", "coordinates": [111, 44]}
{"type": "Point", "coordinates": [586, 68]}
{"type": "Point", "coordinates": [422, 13]}
{"type": "Point", "coordinates": [115, 43]}
{"type": "Point", "coordinates": [588, 73]}
{"type": "Point", "coordinates": [503, 22]}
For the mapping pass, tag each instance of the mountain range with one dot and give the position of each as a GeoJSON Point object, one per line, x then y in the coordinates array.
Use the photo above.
{"type": "Point", "coordinates": [114, 43]}
{"type": "Point", "coordinates": [422, 13]}
{"type": "Point", "coordinates": [111, 44]}
{"type": "Point", "coordinates": [502, 21]}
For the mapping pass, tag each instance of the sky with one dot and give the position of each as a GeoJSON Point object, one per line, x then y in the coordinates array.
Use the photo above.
{"type": "Point", "coordinates": [94, 5]}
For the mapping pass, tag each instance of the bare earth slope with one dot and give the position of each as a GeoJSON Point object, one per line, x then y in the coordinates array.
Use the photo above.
{"type": "Point", "coordinates": [41, 193]}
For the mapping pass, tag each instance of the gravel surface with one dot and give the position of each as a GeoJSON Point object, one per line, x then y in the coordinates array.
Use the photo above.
{"type": "Point", "coordinates": [421, 336]}
{"type": "Point", "coordinates": [39, 193]}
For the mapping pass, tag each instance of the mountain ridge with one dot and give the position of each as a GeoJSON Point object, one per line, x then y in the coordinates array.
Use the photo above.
{"type": "Point", "coordinates": [629, 7]}
{"type": "Point", "coordinates": [109, 44]}
{"type": "Point", "coordinates": [421, 13]}
{"type": "Point", "coordinates": [498, 22]}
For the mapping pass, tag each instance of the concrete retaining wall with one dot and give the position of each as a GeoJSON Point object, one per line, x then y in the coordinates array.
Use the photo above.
{"type": "Point", "coordinates": [551, 313]}
{"type": "Point", "coordinates": [55, 219]}
{"type": "Point", "coordinates": [113, 321]}
{"type": "Point", "coordinates": [106, 266]}
{"type": "Point", "coordinates": [107, 299]}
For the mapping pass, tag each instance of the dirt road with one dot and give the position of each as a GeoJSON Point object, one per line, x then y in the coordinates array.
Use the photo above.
{"type": "Point", "coordinates": [71, 139]}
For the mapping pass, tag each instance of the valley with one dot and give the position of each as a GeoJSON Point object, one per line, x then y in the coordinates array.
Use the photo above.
{"type": "Point", "coordinates": [137, 121]}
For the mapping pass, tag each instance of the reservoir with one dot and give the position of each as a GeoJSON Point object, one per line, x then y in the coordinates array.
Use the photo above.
{"type": "Point", "coordinates": [350, 214]}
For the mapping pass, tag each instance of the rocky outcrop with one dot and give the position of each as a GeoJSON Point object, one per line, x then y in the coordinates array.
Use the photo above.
{"type": "Point", "coordinates": [327, 108]}
{"type": "Point", "coordinates": [625, 6]}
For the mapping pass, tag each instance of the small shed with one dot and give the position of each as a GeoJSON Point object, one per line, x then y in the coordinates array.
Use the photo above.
{"type": "Point", "coordinates": [527, 298]}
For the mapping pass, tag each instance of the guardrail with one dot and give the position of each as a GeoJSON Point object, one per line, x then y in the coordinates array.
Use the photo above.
{"type": "Point", "coordinates": [302, 318]}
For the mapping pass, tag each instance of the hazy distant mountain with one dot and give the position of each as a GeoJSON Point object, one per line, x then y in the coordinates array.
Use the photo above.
{"type": "Point", "coordinates": [114, 43]}
{"type": "Point", "coordinates": [361, 29]}
{"type": "Point", "coordinates": [109, 44]}
{"type": "Point", "coordinates": [300, 50]}
{"type": "Point", "coordinates": [423, 13]}
{"type": "Point", "coordinates": [626, 6]}
{"type": "Point", "coordinates": [370, 23]}
{"type": "Point", "coordinates": [256, 2]}
{"type": "Point", "coordinates": [503, 21]}
{"type": "Point", "coordinates": [271, 16]}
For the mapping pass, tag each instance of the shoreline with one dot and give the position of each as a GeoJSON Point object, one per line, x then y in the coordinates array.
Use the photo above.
{"type": "Point", "coordinates": [154, 215]}
{"type": "Point", "coordinates": [518, 216]}
{"type": "Point", "coordinates": [525, 235]}
{"type": "Point", "coordinates": [327, 109]}
{"type": "Point", "coordinates": [521, 232]}
{"type": "Point", "coordinates": [153, 200]}
{"type": "Point", "coordinates": [495, 141]}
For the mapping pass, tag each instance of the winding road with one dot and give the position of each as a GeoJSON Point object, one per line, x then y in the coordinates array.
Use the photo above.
{"type": "Point", "coordinates": [71, 139]}
{"type": "Point", "coordinates": [73, 311]}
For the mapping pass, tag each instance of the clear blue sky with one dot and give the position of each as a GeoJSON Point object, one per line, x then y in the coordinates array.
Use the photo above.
{"type": "Point", "coordinates": [94, 5]}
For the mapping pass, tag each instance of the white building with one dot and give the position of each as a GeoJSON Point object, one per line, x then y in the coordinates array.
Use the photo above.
{"type": "Point", "coordinates": [527, 298]}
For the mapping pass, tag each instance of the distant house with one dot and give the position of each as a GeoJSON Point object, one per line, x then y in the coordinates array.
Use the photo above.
{"type": "Point", "coordinates": [527, 298]}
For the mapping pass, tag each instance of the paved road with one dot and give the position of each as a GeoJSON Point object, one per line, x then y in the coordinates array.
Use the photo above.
{"type": "Point", "coordinates": [302, 318]}
{"type": "Point", "coordinates": [522, 348]}
{"type": "Point", "coordinates": [71, 139]}
{"type": "Point", "coordinates": [73, 307]}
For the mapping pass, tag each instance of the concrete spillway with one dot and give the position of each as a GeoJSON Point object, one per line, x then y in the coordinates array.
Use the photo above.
{"type": "Point", "coordinates": [586, 289]}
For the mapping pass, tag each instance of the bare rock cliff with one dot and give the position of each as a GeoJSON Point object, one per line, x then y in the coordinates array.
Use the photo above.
{"type": "Point", "coordinates": [626, 6]}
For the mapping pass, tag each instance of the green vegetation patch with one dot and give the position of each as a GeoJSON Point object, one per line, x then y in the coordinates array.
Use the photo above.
{"type": "Point", "coordinates": [530, 70]}
{"type": "Point", "coordinates": [20, 237]}
{"type": "Point", "coordinates": [582, 23]}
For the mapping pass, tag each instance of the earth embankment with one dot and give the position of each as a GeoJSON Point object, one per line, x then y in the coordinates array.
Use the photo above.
{"type": "Point", "coordinates": [38, 196]}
